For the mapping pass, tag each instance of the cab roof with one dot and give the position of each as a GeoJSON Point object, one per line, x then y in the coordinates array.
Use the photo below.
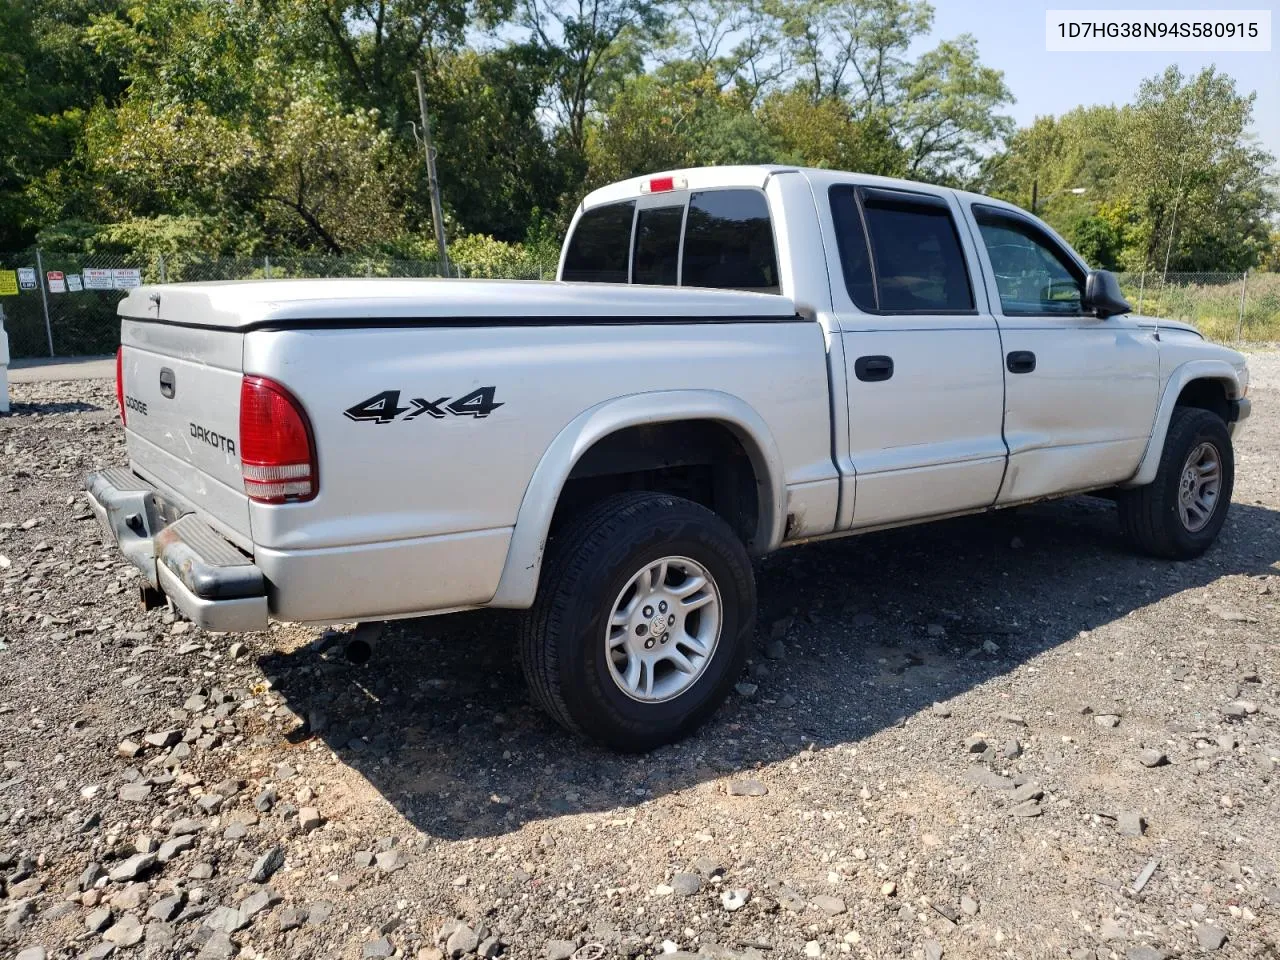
{"type": "Point", "coordinates": [757, 175]}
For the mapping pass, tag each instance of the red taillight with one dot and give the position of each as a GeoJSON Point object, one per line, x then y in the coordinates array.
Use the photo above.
{"type": "Point", "coordinates": [120, 382]}
{"type": "Point", "coordinates": [277, 451]}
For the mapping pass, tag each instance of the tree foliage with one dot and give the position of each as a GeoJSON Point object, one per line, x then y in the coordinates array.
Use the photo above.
{"type": "Point", "coordinates": [280, 126]}
{"type": "Point", "coordinates": [1174, 176]}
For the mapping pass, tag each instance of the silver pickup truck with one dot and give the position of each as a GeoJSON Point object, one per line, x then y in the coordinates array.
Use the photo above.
{"type": "Point", "coordinates": [732, 360]}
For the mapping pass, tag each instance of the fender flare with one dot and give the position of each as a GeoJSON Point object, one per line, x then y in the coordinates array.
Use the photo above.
{"type": "Point", "coordinates": [519, 582]}
{"type": "Point", "coordinates": [1182, 375]}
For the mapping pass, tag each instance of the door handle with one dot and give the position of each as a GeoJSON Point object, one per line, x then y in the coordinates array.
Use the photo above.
{"type": "Point", "coordinates": [872, 369]}
{"type": "Point", "coordinates": [167, 383]}
{"type": "Point", "coordinates": [1020, 361]}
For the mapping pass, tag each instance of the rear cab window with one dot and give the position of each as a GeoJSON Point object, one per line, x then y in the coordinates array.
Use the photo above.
{"type": "Point", "coordinates": [657, 248]}
{"type": "Point", "coordinates": [601, 245]}
{"type": "Point", "coordinates": [721, 239]}
{"type": "Point", "coordinates": [728, 242]}
{"type": "Point", "coordinates": [900, 251]}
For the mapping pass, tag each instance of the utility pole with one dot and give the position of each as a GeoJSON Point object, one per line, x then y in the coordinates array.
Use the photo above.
{"type": "Point", "coordinates": [437, 214]}
{"type": "Point", "coordinates": [1173, 222]}
{"type": "Point", "coordinates": [44, 299]}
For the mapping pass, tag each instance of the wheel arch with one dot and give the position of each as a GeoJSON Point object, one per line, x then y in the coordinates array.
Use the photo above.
{"type": "Point", "coordinates": [1196, 383]}
{"type": "Point", "coordinates": [519, 581]}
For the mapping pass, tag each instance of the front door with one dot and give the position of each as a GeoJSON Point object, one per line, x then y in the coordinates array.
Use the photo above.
{"type": "Point", "coordinates": [1080, 392]}
{"type": "Point", "coordinates": [923, 363]}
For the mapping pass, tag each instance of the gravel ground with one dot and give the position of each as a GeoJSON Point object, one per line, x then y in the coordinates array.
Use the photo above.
{"type": "Point", "coordinates": [996, 737]}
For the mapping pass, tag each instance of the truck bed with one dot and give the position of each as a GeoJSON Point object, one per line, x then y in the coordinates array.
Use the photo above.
{"type": "Point", "coordinates": [435, 404]}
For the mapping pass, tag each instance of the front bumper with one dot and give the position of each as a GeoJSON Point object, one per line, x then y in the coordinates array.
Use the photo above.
{"type": "Point", "coordinates": [208, 579]}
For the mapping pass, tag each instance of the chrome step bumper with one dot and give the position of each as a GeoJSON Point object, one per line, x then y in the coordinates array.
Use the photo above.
{"type": "Point", "coordinates": [207, 578]}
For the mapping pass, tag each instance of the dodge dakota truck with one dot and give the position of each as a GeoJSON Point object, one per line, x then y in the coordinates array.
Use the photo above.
{"type": "Point", "coordinates": [732, 360]}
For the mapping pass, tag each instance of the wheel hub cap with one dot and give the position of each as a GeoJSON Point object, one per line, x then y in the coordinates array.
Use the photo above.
{"type": "Point", "coordinates": [663, 629]}
{"type": "Point", "coordinates": [1199, 486]}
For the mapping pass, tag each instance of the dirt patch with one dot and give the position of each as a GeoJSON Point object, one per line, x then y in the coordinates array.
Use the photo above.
{"type": "Point", "coordinates": [947, 755]}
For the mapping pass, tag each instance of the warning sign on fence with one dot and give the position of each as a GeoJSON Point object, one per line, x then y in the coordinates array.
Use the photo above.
{"type": "Point", "coordinates": [8, 283]}
{"type": "Point", "coordinates": [73, 282]}
{"type": "Point", "coordinates": [57, 281]}
{"type": "Point", "coordinates": [27, 278]}
{"type": "Point", "coordinates": [126, 278]}
{"type": "Point", "coordinates": [97, 278]}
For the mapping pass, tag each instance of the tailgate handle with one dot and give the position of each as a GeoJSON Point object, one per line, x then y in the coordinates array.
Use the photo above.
{"type": "Point", "coordinates": [167, 382]}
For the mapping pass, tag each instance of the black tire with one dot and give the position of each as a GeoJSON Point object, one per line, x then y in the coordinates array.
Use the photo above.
{"type": "Point", "coordinates": [1149, 516]}
{"type": "Point", "coordinates": [588, 564]}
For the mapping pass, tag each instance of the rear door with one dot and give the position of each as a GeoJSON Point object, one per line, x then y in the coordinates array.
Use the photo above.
{"type": "Point", "coordinates": [923, 363]}
{"type": "Point", "coordinates": [182, 417]}
{"type": "Point", "coordinates": [1080, 392]}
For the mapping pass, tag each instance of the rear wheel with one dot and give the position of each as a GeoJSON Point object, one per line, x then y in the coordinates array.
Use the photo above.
{"type": "Point", "coordinates": [642, 620]}
{"type": "Point", "coordinates": [1178, 515]}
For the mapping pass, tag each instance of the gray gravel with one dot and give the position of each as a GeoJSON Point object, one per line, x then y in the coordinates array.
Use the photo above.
{"type": "Point", "coordinates": [914, 768]}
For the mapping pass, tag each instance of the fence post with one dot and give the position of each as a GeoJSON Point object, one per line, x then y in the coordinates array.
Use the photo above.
{"type": "Point", "coordinates": [1244, 285]}
{"type": "Point", "coordinates": [162, 273]}
{"type": "Point", "coordinates": [44, 300]}
{"type": "Point", "coordinates": [266, 266]}
{"type": "Point", "coordinates": [1142, 287]}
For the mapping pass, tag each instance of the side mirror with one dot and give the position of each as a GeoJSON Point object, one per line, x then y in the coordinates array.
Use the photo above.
{"type": "Point", "coordinates": [1102, 294]}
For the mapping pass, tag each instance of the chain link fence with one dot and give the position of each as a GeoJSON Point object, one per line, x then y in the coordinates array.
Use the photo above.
{"type": "Point", "coordinates": [66, 303]}
{"type": "Point", "coordinates": [1227, 307]}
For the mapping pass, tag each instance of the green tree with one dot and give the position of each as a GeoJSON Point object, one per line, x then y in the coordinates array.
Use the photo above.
{"type": "Point", "coordinates": [946, 114]}
{"type": "Point", "coordinates": [853, 49]}
{"type": "Point", "coordinates": [496, 162]}
{"type": "Point", "coordinates": [1175, 175]}
{"type": "Point", "coordinates": [328, 182]}
{"type": "Point", "coordinates": [941, 111]}
{"type": "Point", "coordinates": [676, 117]}
{"type": "Point", "coordinates": [591, 47]}
{"type": "Point", "coordinates": [1206, 206]}
{"type": "Point", "coordinates": [742, 44]}
{"type": "Point", "coordinates": [49, 78]}
{"type": "Point", "coordinates": [829, 133]}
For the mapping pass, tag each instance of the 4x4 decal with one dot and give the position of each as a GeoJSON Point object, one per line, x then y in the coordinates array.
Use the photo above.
{"type": "Point", "coordinates": [385, 406]}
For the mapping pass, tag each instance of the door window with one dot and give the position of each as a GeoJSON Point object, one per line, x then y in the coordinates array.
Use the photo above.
{"type": "Point", "coordinates": [601, 245]}
{"type": "Point", "coordinates": [851, 240]}
{"type": "Point", "coordinates": [900, 251]}
{"type": "Point", "coordinates": [657, 254]}
{"type": "Point", "coordinates": [1033, 275]}
{"type": "Point", "coordinates": [728, 242]}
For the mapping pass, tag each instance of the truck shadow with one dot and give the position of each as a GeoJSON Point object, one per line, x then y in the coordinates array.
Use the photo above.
{"type": "Point", "coordinates": [49, 408]}
{"type": "Point", "coordinates": [881, 627]}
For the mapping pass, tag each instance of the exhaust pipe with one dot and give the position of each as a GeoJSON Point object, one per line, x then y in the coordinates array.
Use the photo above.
{"type": "Point", "coordinates": [361, 643]}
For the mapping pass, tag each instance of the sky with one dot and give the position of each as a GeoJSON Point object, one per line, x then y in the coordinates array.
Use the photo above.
{"type": "Point", "coordinates": [1010, 37]}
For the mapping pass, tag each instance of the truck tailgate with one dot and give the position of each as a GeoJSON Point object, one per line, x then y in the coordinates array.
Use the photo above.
{"type": "Point", "coordinates": [182, 417]}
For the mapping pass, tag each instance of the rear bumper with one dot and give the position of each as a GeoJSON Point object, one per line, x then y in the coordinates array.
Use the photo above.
{"type": "Point", "coordinates": [206, 577]}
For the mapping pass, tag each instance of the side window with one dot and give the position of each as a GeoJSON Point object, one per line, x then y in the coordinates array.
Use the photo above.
{"type": "Point", "coordinates": [601, 245]}
{"type": "Point", "coordinates": [851, 240]}
{"type": "Point", "coordinates": [1033, 275]}
{"type": "Point", "coordinates": [728, 242]}
{"type": "Point", "coordinates": [916, 255]}
{"type": "Point", "coordinates": [657, 245]}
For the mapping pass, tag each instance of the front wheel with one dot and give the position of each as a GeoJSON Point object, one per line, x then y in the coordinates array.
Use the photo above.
{"type": "Point", "coordinates": [1178, 515]}
{"type": "Point", "coordinates": [642, 620]}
